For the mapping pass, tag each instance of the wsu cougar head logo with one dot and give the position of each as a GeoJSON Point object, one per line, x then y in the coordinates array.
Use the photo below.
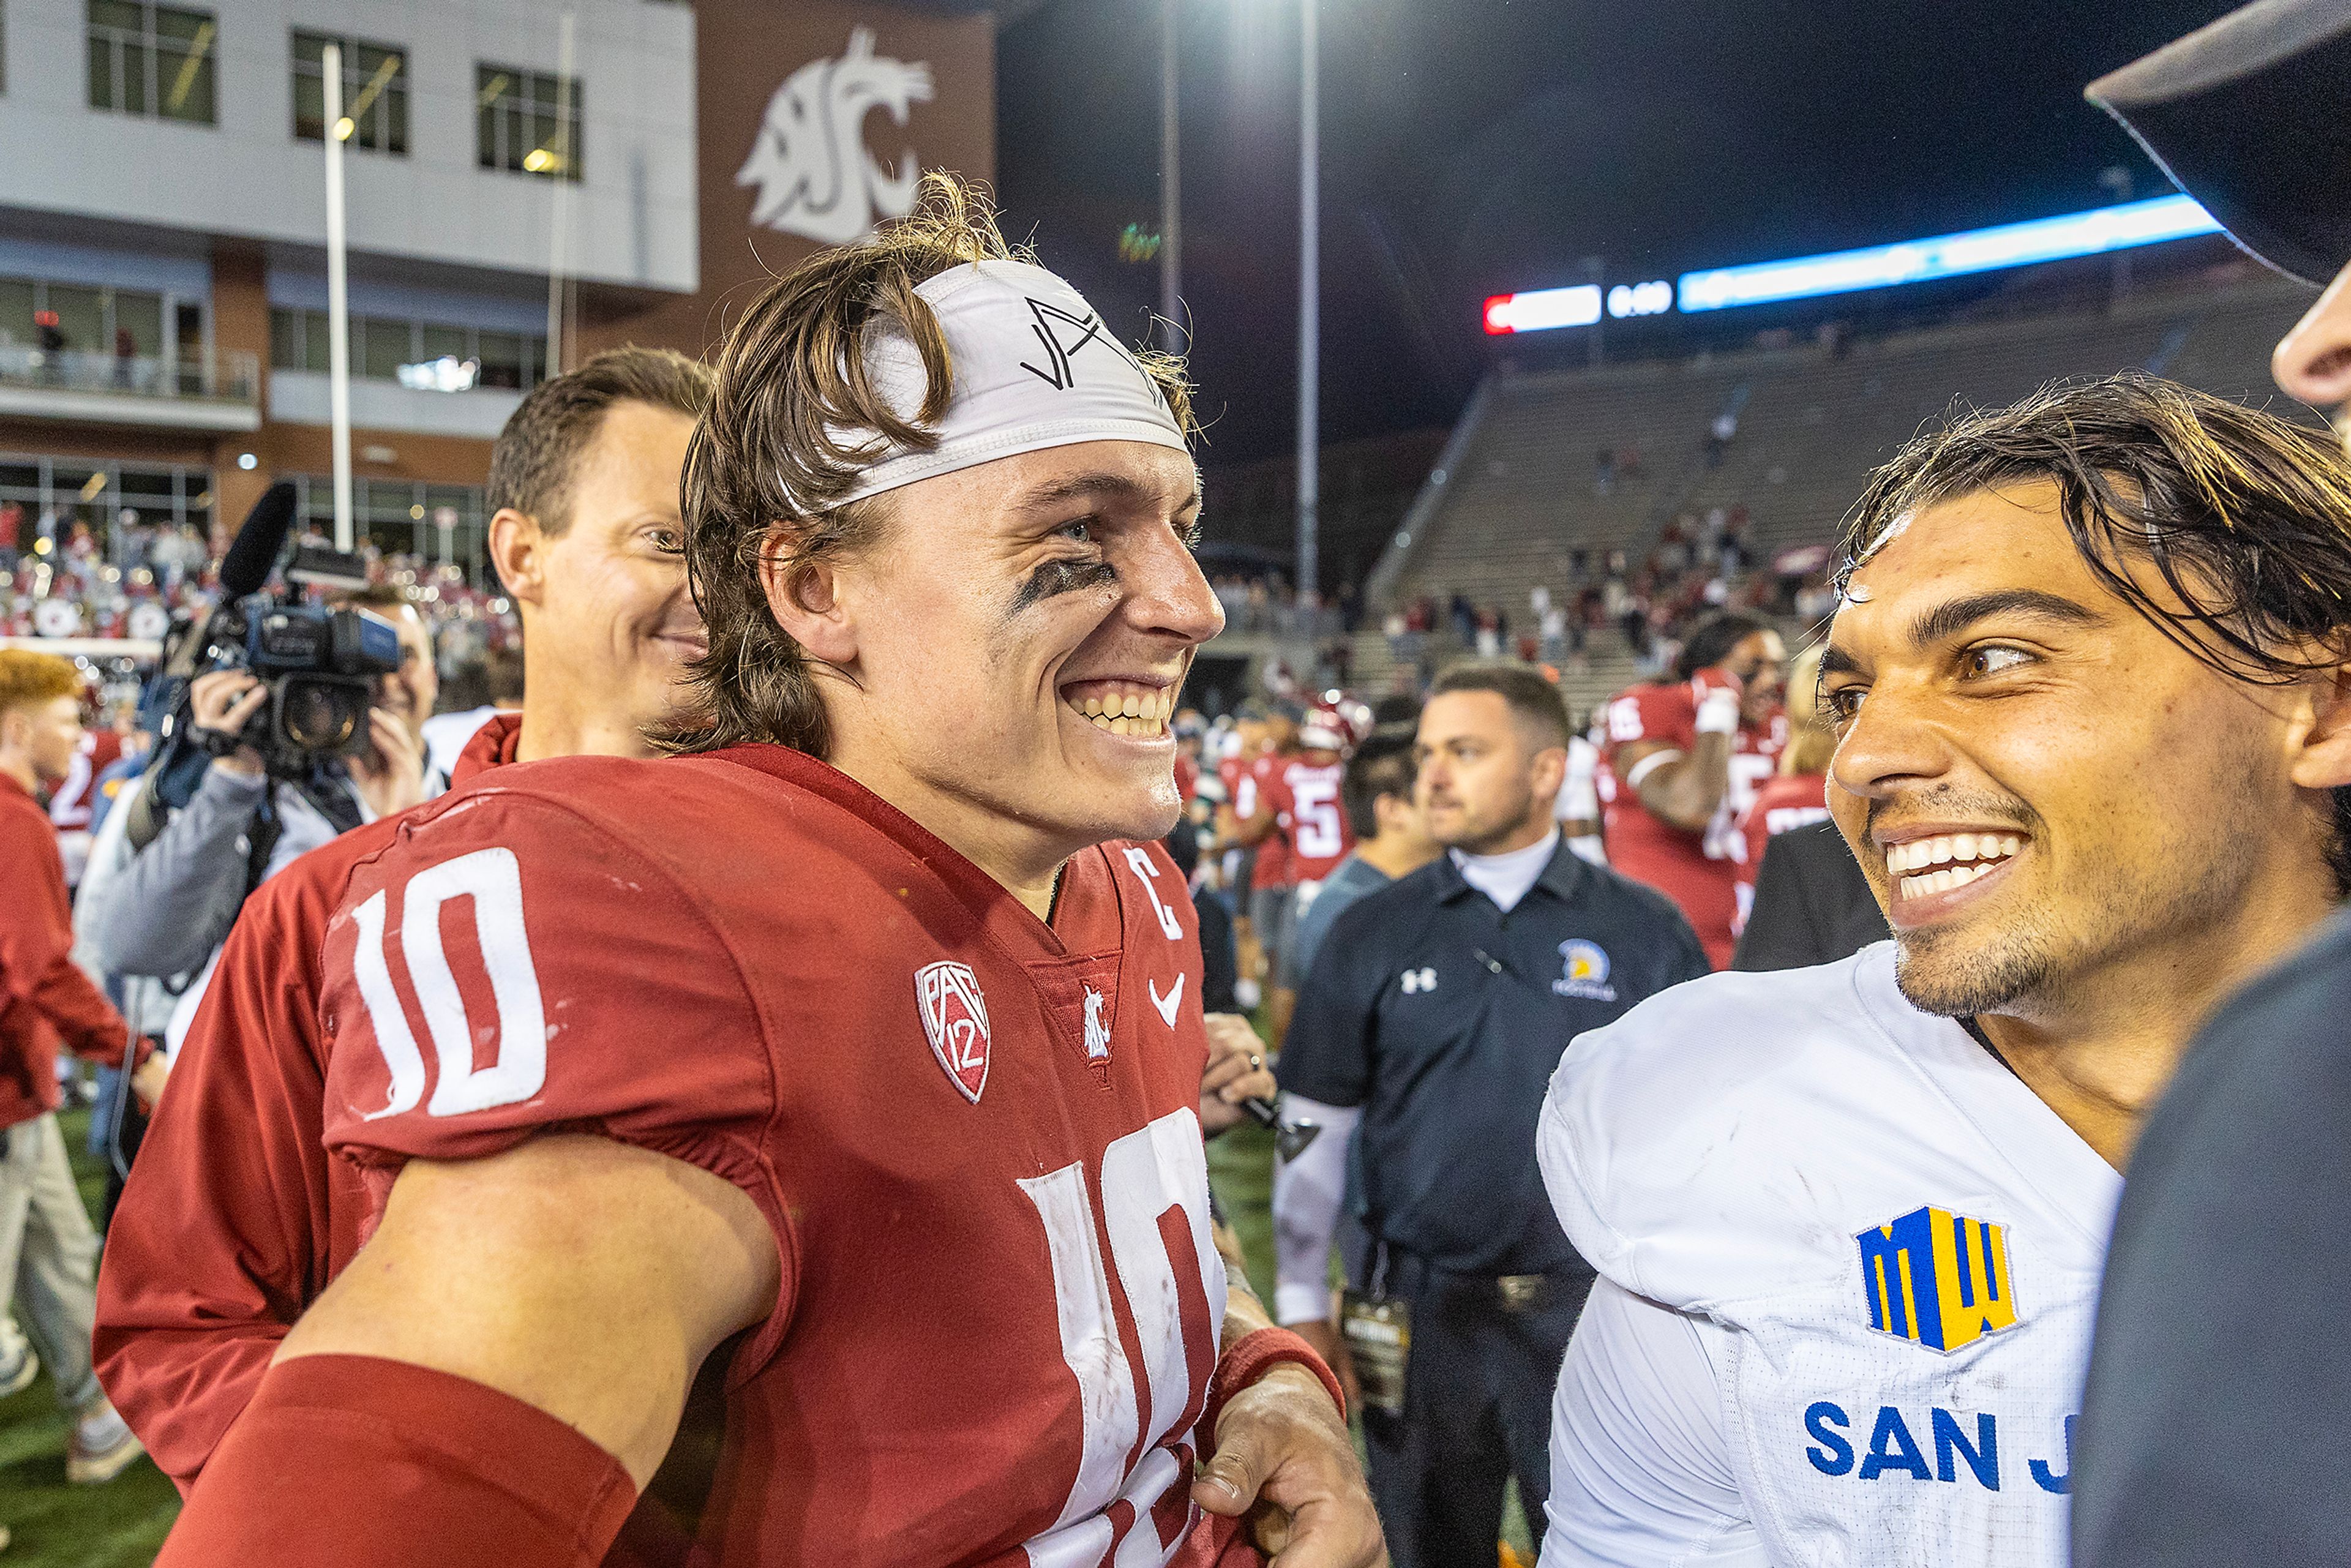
{"type": "Point", "coordinates": [815, 176]}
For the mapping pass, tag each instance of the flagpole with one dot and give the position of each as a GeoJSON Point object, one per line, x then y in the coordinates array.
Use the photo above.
{"type": "Point", "coordinates": [338, 326]}
{"type": "Point", "coordinates": [556, 258]}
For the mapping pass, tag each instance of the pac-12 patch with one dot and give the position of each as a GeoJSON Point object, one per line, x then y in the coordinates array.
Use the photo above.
{"type": "Point", "coordinates": [1937, 1279]}
{"type": "Point", "coordinates": [955, 1017]}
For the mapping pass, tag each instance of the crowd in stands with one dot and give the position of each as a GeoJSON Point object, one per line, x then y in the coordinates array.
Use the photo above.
{"type": "Point", "coordinates": [1701, 564]}
{"type": "Point", "coordinates": [131, 582]}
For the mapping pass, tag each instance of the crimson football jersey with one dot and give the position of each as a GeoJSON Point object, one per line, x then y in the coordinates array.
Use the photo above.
{"type": "Point", "coordinates": [1782, 801]}
{"type": "Point", "coordinates": [1699, 872]}
{"type": "Point", "coordinates": [75, 801]}
{"type": "Point", "coordinates": [1258, 785]}
{"type": "Point", "coordinates": [974, 1134]}
{"type": "Point", "coordinates": [1312, 826]}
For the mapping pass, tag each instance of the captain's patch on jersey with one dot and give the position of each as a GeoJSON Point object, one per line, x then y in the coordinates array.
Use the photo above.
{"type": "Point", "coordinates": [1936, 1279]}
{"type": "Point", "coordinates": [955, 1017]}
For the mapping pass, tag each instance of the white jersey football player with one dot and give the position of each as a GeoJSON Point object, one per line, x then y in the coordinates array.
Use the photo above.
{"type": "Point", "coordinates": [1850, 1221]}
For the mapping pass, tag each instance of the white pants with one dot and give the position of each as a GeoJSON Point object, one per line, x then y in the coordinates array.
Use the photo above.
{"type": "Point", "coordinates": [48, 1253]}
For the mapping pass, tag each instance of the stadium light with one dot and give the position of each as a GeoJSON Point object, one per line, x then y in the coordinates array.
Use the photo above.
{"type": "Point", "coordinates": [2093, 233]}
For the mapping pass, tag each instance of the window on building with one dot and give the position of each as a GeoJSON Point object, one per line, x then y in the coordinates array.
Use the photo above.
{"type": "Point", "coordinates": [381, 345]}
{"type": "Point", "coordinates": [401, 518]}
{"type": "Point", "coordinates": [526, 122]}
{"type": "Point", "coordinates": [122, 323]}
{"type": "Point", "coordinates": [375, 92]}
{"type": "Point", "coordinates": [153, 60]}
{"type": "Point", "coordinates": [73, 490]}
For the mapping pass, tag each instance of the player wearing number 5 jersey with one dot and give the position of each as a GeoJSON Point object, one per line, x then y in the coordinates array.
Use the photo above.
{"type": "Point", "coordinates": [1300, 814]}
{"type": "Point", "coordinates": [856, 1041]}
{"type": "Point", "coordinates": [1687, 757]}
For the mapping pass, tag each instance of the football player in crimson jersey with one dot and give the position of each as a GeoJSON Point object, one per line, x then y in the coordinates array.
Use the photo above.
{"type": "Point", "coordinates": [1686, 756]}
{"type": "Point", "coordinates": [1252, 736]}
{"type": "Point", "coordinates": [1797, 795]}
{"type": "Point", "coordinates": [74, 801]}
{"type": "Point", "coordinates": [209, 1260]}
{"type": "Point", "coordinates": [856, 1037]}
{"type": "Point", "coordinates": [1298, 814]}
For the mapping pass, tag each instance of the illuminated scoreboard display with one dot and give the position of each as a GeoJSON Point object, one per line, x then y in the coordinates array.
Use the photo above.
{"type": "Point", "coordinates": [2096, 232]}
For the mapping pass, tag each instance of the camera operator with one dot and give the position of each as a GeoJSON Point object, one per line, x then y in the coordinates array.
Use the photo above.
{"type": "Point", "coordinates": [168, 911]}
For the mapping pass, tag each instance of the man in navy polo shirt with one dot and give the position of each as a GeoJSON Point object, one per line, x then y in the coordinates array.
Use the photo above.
{"type": "Point", "coordinates": [1430, 1022]}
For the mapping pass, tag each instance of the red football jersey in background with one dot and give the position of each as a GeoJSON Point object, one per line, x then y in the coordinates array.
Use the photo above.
{"type": "Point", "coordinates": [1784, 802]}
{"type": "Point", "coordinates": [1312, 826]}
{"type": "Point", "coordinates": [1258, 784]}
{"type": "Point", "coordinates": [974, 1134]}
{"type": "Point", "coordinates": [235, 1217]}
{"type": "Point", "coordinates": [75, 800]}
{"type": "Point", "coordinates": [1699, 872]}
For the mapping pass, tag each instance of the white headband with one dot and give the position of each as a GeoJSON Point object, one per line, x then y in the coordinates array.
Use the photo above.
{"type": "Point", "coordinates": [1033, 367]}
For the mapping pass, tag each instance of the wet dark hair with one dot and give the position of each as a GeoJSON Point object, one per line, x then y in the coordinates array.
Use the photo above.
{"type": "Point", "coordinates": [1712, 639]}
{"type": "Point", "coordinates": [2245, 518]}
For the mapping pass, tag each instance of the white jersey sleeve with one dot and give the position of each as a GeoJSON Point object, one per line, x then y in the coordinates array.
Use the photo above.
{"type": "Point", "coordinates": [1308, 1193]}
{"type": "Point", "coordinates": [1640, 1463]}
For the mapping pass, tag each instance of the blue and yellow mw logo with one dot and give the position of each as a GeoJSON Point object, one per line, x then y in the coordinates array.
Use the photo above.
{"type": "Point", "coordinates": [1937, 1279]}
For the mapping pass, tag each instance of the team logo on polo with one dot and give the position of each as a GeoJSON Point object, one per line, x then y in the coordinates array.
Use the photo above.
{"type": "Point", "coordinates": [955, 1017]}
{"type": "Point", "coordinates": [1583, 972]}
{"type": "Point", "coordinates": [1937, 1279]}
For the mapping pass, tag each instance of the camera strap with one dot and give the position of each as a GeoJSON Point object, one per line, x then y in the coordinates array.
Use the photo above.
{"type": "Point", "coordinates": [261, 837]}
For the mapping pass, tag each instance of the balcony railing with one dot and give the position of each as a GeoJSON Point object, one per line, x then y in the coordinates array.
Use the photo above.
{"type": "Point", "coordinates": [232, 376]}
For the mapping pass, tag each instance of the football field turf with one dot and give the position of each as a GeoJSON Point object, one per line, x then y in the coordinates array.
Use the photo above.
{"type": "Point", "coordinates": [56, 1525]}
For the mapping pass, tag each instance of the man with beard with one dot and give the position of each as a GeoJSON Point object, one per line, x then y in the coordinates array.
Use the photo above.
{"type": "Point", "coordinates": [235, 1218]}
{"type": "Point", "coordinates": [856, 1036]}
{"type": "Point", "coordinates": [1432, 1015]}
{"type": "Point", "coordinates": [1850, 1219]}
{"type": "Point", "coordinates": [2216, 1355]}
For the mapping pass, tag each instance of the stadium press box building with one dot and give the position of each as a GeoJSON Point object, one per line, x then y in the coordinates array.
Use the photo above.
{"type": "Point", "coordinates": [163, 340]}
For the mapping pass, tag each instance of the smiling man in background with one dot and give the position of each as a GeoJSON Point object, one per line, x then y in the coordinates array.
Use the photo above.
{"type": "Point", "coordinates": [2086, 678]}
{"type": "Point", "coordinates": [1431, 1018]}
{"type": "Point", "coordinates": [235, 1216]}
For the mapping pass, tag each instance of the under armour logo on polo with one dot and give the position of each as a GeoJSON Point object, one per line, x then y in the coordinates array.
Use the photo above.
{"type": "Point", "coordinates": [1421, 980]}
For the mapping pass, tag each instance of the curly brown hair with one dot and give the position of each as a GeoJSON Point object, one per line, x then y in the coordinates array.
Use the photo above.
{"type": "Point", "coordinates": [776, 449]}
{"type": "Point", "coordinates": [2245, 518]}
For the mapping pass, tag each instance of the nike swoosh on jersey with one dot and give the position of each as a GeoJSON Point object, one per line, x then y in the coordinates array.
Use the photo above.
{"type": "Point", "coordinates": [1168, 1003]}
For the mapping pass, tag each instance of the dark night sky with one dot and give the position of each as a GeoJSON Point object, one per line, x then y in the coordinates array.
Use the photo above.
{"type": "Point", "coordinates": [1472, 147]}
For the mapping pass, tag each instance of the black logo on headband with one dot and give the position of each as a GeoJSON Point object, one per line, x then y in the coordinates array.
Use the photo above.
{"type": "Point", "coordinates": [1058, 354]}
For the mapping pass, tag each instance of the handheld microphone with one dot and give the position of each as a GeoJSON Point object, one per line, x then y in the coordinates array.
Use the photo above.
{"type": "Point", "coordinates": [260, 539]}
{"type": "Point", "coordinates": [1290, 1138]}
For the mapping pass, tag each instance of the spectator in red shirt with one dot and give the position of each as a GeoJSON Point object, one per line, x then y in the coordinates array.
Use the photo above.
{"type": "Point", "coordinates": [47, 1245]}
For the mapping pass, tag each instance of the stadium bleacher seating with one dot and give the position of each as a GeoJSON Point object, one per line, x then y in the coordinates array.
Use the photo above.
{"type": "Point", "coordinates": [1519, 485]}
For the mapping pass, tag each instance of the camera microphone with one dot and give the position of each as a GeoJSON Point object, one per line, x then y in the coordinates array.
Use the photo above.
{"type": "Point", "coordinates": [245, 568]}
